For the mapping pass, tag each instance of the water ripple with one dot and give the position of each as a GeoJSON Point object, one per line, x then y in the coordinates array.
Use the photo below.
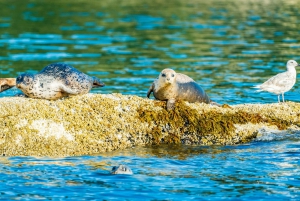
{"type": "Point", "coordinates": [210, 26]}
{"type": "Point", "coordinates": [116, 50]}
{"type": "Point", "coordinates": [50, 56]}
{"type": "Point", "coordinates": [4, 25]}
{"type": "Point", "coordinates": [144, 22]}
{"type": "Point", "coordinates": [256, 51]}
{"type": "Point", "coordinates": [43, 36]}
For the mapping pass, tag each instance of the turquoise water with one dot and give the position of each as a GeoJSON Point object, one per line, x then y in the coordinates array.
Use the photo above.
{"type": "Point", "coordinates": [256, 171]}
{"type": "Point", "coordinates": [226, 46]}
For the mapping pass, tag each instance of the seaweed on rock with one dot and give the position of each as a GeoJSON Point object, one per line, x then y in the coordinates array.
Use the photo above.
{"type": "Point", "coordinates": [97, 123]}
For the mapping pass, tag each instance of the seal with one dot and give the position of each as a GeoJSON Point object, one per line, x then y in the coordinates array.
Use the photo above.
{"type": "Point", "coordinates": [171, 86]}
{"type": "Point", "coordinates": [121, 169]}
{"type": "Point", "coordinates": [7, 83]}
{"type": "Point", "coordinates": [56, 81]}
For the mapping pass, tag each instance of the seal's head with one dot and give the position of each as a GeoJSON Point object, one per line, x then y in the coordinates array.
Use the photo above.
{"type": "Point", "coordinates": [167, 76]}
{"type": "Point", "coordinates": [24, 80]}
{"type": "Point", "coordinates": [121, 169]}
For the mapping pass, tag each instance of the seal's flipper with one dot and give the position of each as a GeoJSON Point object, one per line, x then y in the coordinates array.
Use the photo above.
{"type": "Point", "coordinates": [7, 83]}
{"type": "Point", "coordinates": [97, 82]}
{"type": "Point", "coordinates": [68, 90]}
{"type": "Point", "coordinates": [150, 90]}
{"type": "Point", "coordinates": [216, 104]}
{"type": "Point", "coordinates": [171, 104]}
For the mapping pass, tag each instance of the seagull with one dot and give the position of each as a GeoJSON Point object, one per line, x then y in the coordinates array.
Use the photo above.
{"type": "Point", "coordinates": [282, 82]}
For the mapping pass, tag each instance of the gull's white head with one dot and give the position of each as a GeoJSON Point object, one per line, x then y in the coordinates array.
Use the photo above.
{"type": "Point", "coordinates": [291, 64]}
{"type": "Point", "coordinates": [167, 76]}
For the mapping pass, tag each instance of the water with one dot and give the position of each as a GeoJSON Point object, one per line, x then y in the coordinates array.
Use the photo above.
{"type": "Point", "coordinates": [226, 46]}
{"type": "Point", "coordinates": [256, 171]}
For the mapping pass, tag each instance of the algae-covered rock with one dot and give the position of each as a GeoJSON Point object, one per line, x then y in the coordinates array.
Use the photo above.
{"type": "Point", "coordinates": [96, 123]}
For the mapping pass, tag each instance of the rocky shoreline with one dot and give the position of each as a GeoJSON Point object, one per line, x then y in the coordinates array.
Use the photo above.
{"type": "Point", "coordinates": [97, 123]}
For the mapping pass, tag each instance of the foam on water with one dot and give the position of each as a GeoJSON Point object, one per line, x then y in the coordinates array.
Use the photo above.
{"type": "Point", "coordinates": [276, 135]}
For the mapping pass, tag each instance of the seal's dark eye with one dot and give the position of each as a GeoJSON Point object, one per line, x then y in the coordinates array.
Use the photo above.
{"type": "Point", "coordinates": [173, 75]}
{"type": "Point", "coordinates": [27, 79]}
{"type": "Point", "coordinates": [163, 75]}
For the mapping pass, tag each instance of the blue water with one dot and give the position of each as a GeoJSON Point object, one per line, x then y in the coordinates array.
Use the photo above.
{"type": "Point", "coordinates": [227, 46]}
{"type": "Point", "coordinates": [256, 171]}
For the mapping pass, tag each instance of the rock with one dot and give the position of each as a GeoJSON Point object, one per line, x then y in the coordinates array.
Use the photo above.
{"type": "Point", "coordinates": [97, 123]}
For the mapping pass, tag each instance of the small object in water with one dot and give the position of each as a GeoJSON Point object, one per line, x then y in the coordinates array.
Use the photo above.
{"type": "Point", "coordinates": [171, 86]}
{"type": "Point", "coordinates": [7, 83]}
{"type": "Point", "coordinates": [282, 82]}
{"type": "Point", "coordinates": [56, 81]}
{"type": "Point", "coordinates": [121, 169]}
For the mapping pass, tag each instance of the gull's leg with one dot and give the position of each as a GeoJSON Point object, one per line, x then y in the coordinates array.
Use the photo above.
{"type": "Point", "coordinates": [278, 98]}
{"type": "Point", "coordinates": [282, 97]}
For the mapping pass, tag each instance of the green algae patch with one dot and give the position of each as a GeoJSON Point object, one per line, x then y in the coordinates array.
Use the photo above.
{"type": "Point", "coordinates": [205, 125]}
{"type": "Point", "coordinates": [97, 123]}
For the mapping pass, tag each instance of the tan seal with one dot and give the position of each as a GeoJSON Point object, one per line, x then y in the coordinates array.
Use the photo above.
{"type": "Point", "coordinates": [7, 83]}
{"type": "Point", "coordinates": [56, 81]}
{"type": "Point", "coordinates": [171, 86]}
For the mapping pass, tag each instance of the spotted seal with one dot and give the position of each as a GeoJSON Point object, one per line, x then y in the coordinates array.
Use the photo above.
{"type": "Point", "coordinates": [121, 169]}
{"type": "Point", "coordinates": [171, 86]}
{"type": "Point", "coordinates": [7, 83]}
{"type": "Point", "coordinates": [56, 81]}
